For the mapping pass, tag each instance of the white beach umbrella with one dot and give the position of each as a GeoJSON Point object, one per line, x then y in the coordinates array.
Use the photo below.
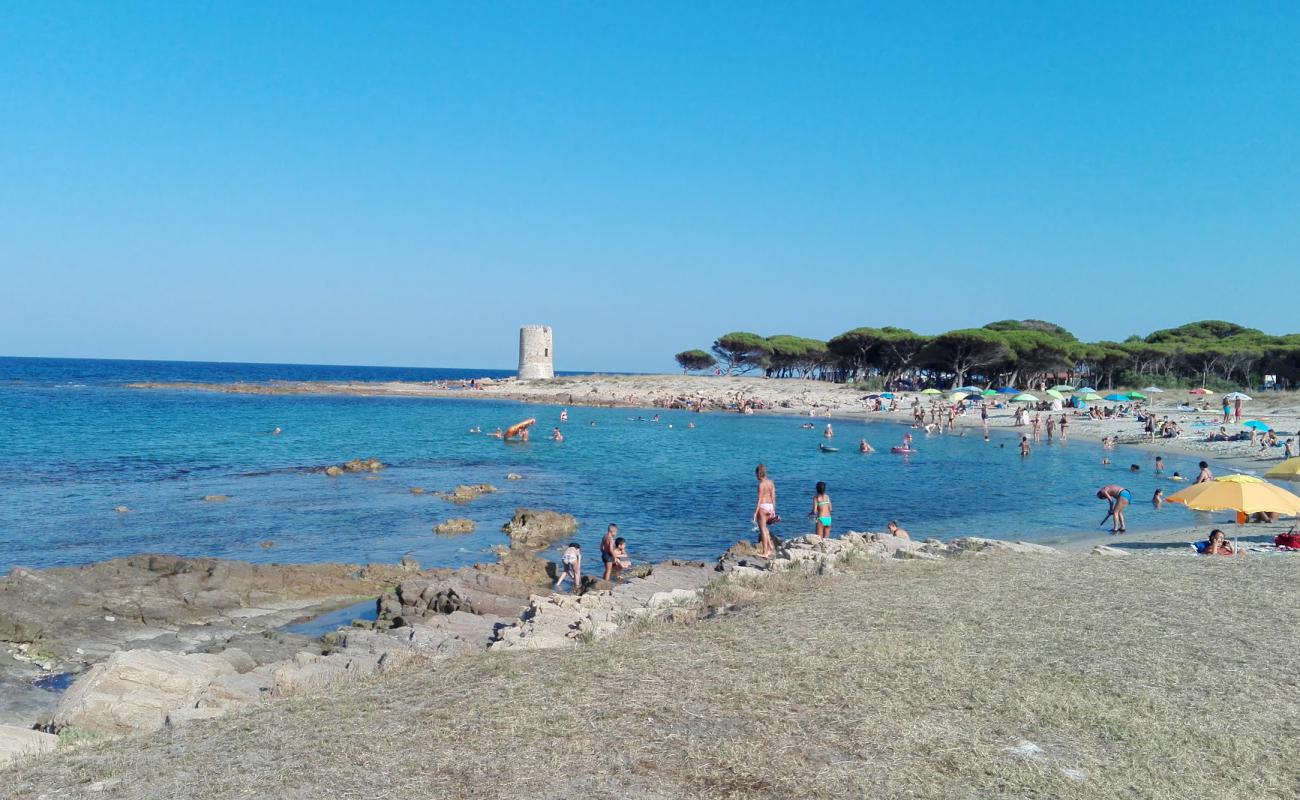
{"type": "Point", "coordinates": [1154, 390]}
{"type": "Point", "coordinates": [1236, 396]}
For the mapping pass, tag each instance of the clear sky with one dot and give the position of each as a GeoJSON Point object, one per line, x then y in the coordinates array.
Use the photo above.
{"type": "Point", "coordinates": [406, 184]}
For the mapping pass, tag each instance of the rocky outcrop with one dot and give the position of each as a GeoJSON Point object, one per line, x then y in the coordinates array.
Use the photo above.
{"type": "Point", "coordinates": [355, 465]}
{"type": "Point", "coordinates": [466, 493]}
{"type": "Point", "coordinates": [16, 743]}
{"type": "Point", "coordinates": [535, 529]}
{"type": "Point", "coordinates": [454, 527]}
{"type": "Point", "coordinates": [976, 544]}
{"type": "Point", "coordinates": [102, 606]}
{"type": "Point", "coordinates": [134, 690]}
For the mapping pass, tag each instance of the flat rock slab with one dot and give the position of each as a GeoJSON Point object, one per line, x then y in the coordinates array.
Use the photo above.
{"type": "Point", "coordinates": [16, 743]}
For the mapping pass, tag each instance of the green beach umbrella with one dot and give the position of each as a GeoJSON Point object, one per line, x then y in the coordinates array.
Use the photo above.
{"type": "Point", "coordinates": [1091, 397]}
{"type": "Point", "coordinates": [1136, 396]}
{"type": "Point", "coordinates": [989, 393]}
{"type": "Point", "coordinates": [1024, 397]}
{"type": "Point", "coordinates": [1063, 387]}
{"type": "Point", "coordinates": [1056, 394]}
{"type": "Point", "coordinates": [931, 391]}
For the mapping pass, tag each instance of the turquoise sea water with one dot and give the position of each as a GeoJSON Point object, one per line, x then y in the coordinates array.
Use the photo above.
{"type": "Point", "coordinates": [75, 444]}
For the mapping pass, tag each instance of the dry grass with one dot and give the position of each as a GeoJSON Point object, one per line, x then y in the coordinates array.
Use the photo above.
{"type": "Point", "coordinates": [1152, 677]}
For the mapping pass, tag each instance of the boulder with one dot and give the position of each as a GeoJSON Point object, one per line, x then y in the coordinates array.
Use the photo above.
{"type": "Point", "coordinates": [241, 661]}
{"type": "Point", "coordinates": [363, 465]}
{"type": "Point", "coordinates": [536, 529]}
{"type": "Point", "coordinates": [122, 510]}
{"type": "Point", "coordinates": [417, 490]}
{"type": "Point", "coordinates": [16, 743]}
{"type": "Point", "coordinates": [466, 493]}
{"type": "Point", "coordinates": [134, 690]}
{"type": "Point", "coordinates": [215, 498]}
{"type": "Point", "coordinates": [236, 691]}
{"type": "Point", "coordinates": [454, 527]}
{"type": "Point", "coordinates": [333, 472]}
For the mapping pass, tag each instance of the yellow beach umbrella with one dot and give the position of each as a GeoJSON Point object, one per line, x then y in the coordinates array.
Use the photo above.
{"type": "Point", "coordinates": [957, 397]}
{"type": "Point", "coordinates": [1288, 470]}
{"type": "Point", "coordinates": [1244, 493]}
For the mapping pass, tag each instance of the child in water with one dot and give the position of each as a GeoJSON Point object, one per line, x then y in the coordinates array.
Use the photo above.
{"type": "Point", "coordinates": [572, 562]}
{"type": "Point", "coordinates": [822, 511]}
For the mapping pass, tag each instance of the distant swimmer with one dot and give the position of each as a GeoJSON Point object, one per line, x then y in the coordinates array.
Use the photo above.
{"type": "Point", "coordinates": [276, 432]}
{"type": "Point", "coordinates": [828, 433]}
{"type": "Point", "coordinates": [592, 423]}
{"type": "Point", "coordinates": [865, 447]}
{"type": "Point", "coordinates": [807, 426]}
{"type": "Point", "coordinates": [1158, 499]}
{"type": "Point", "coordinates": [564, 415]}
{"type": "Point", "coordinates": [1176, 477]}
{"type": "Point", "coordinates": [690, 425]}
{"type": "Point", "coordinates": [1118, 497]}
{"type": "Point", "coordinates": [496, 434]}
{"type": "Point", "coordinates": [476, 429]}
{"type": "Point", "coordinates": [1024, 445]}
{"type": "Point", "coordinates": [556, 435]}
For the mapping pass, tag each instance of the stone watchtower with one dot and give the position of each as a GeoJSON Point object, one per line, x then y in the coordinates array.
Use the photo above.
{"type": "Point", "coordinates": [535, 354]}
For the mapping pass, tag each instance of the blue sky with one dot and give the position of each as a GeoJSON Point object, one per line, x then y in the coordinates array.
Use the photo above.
{"type": "Point", "coordinates": [408, 183]}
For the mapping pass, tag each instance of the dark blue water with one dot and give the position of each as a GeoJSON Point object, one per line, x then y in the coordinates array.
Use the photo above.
{"type": "Point", "coordinates": [75, 443]}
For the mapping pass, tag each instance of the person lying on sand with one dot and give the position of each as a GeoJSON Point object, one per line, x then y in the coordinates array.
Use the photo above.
{"type": "Point", "coordinates": [1218, 545]}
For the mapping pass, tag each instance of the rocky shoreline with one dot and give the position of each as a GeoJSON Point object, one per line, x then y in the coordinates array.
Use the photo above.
{"type": "Point", "coordinates": [160, 641]}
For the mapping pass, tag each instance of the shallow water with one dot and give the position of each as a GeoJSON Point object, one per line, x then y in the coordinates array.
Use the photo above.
{"type": "Point", "coordinates": [75, 444]}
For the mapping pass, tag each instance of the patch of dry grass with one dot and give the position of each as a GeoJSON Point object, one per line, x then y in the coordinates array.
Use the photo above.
{"type": "Point", "coordinates": [1145, 677]}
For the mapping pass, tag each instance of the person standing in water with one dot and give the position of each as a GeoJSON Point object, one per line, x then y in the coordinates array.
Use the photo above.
{"type": "Point", "coordinates": [1205, 475]}
{"type": "Point", "coordinates": [1064, 428]}
{"type": "Point", "coordinates": [765, 511]}
{"type": "Point", "coordinates": [828, 433]}
{"type": "Point", "coordinates": [1024, 445]}
{"type": "Point", "coordinates": [1118, 497]}
{"type": "Point", "coordinates": [1160, 465]}
{"type": "Point", "coordinates": [822, 511]}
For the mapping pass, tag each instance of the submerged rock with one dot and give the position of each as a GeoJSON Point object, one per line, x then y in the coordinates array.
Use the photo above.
{"type": "Point", "coordinates": [466, 493]}
{"type": "Point", "coordinates": [454, 527]}
{"type": "Point", "coordinates": [215, 498]}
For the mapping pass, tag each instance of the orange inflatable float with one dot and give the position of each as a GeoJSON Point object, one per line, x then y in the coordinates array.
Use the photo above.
{"type": "Point", "coordinates": [519, 429]}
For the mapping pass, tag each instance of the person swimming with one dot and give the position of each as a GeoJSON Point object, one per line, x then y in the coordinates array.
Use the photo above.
{"type": "Point", "coordinates": [865, 447]}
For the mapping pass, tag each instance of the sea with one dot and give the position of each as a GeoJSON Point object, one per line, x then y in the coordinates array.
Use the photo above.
{"type": "Point", "coordinates": [76, 442]}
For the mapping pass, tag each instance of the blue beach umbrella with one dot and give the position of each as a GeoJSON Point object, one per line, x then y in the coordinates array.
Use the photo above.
{"type": "Point", "coordinates": [1119, 398]}
{"type": "Point", "coordinates": [887, 395]}
{"type": "Point", "coordinates": [1256, 425]}
{"type": "Point", "coordinates": [1085, 390]}
{"type": "Point", "coordinates": [1008, 390]}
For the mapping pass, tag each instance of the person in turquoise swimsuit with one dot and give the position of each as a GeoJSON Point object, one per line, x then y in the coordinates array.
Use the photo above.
{"type": "Point", "coordinates": [822, 511]}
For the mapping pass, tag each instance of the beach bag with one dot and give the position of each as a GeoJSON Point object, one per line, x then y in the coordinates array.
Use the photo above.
{"type": "Point", "coordinates": [1291, 540]}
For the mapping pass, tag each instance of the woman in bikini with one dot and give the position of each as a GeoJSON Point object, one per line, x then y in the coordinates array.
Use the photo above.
{"type": "Point", "coordinates": [765, 511]}
{"type": "Point", "coordinates": [822, 511]}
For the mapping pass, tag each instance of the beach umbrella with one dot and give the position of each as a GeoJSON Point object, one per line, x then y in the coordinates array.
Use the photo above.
{"type": "Point", "coordinates": [989, 393]}
{"type": "Point", "coordinates": [1062, 387]}
{"type": "Point", "coordinates": [1091, 397]}
{"type": "Point", "coordinates": [1008, 390]}
{"type": "Point", "coordinates": [968, 389]}
{"type": "Point", "coordinates": [931, 391]}
{"type": "Point", "coordinates": [1288, 470]}
{"type": "Point", "coordinates": [1136, 396]}
{"type": "Point", "coordinates": [1256, 425]}
{"type": "Point", "coordinates": [1154, 390]}
{"type": "Point", "coordinates": [887, 395]}
{"type": "Point", "coordinates": [957, 397]}
{"type": "Point", "coordinates": [1201, 391]}
{"type": "Point", "coordinates": [1085, 389]}
{"type": "Point", "coordinates": [1244, 493]}
{"type": "Point", "coordinates": [1024, 398]}
{"type": "Point", "coordinates": [1117, 398]}
{"type": "Point", "coordinates": [1237, 396]}
{"type": "Point", "coordinates": [1056, 394]}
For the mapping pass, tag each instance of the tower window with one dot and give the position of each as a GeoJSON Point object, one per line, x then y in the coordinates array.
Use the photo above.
{"type": "Point", "coordinates": [547, 352]}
